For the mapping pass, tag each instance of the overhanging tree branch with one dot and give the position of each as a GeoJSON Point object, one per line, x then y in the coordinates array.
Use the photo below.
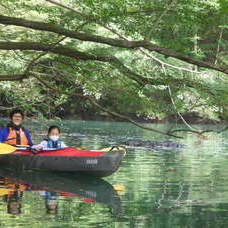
{"type": "Point", "coordinates": [146, 53]}
{"type": "Point", "coordinates": [106, 40]}
{"type": "Point", "coordinates": [91, 18]}
{"type": "Point", "coordinates": [13, 77]}
{"type": "Point", "coordinates": [95, 103]}
{"type": "Point", "coordinates": [121, 116]}
{"type": "Point", "coordinates": [68, 33]}
{"type": "Point", "coordinates": [33, 61]}
{"type": "Point", "coordinates": [185, 58]}
{"type": "Point", "coordinates": [112, 113]}
{"type": "Point", "coordinates": [72, 53]}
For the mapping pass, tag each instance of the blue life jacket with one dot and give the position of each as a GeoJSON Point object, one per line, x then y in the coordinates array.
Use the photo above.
{"type": "Point", "coordinates": [54, 144]}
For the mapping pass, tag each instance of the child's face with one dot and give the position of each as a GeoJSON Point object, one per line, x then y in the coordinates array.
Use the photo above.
{"type": "Point", "coordinates": [54, 132]}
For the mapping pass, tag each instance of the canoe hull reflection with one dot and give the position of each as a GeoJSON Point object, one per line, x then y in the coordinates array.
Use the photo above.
{"type": "Point", "coordinates": [97, 189]}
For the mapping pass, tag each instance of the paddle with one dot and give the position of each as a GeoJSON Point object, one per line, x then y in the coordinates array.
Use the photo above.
{"type": "Point", "coordinates": [7, 149]}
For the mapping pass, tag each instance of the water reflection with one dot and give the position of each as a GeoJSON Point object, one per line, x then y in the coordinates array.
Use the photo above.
{"type": "Point", "coordinates": [179, 188]}
{"type": "Point", "coordinates": [11, 194]}
{"type": "Point", "coordinates": [52, 188]}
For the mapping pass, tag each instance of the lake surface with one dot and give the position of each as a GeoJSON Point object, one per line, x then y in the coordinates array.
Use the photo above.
{"type": "Point", "coordinates": [185, 187]}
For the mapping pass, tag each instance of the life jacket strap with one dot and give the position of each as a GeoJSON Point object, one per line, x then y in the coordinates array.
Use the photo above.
{"type": "Point", "coordinates": [9, 139]}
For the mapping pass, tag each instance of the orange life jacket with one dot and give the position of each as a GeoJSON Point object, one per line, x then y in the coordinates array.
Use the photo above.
{"type": "Point", "coordinates": [12, 137]}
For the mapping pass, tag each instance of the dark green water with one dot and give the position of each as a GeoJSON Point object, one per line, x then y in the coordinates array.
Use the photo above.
{"type": "Point", "coordinates": [180, 188]}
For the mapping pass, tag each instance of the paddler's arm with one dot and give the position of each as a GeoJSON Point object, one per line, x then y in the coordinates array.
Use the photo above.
{"type": "Point", "coordinates": [29, 138]}
{"type": "Point", "coordinates": [63, 145]}
{"type": "Point", "coordinates": [41, 146]}
{"type": "Point", "coordinates": [3, 134]}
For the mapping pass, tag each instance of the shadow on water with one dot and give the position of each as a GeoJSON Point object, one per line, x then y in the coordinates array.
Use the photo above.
{"type": "Point", "coordinates": [50, 186]}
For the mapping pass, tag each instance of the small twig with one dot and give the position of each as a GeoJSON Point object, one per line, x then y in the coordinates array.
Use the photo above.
{"type": "Point", "coordinates": [178, 113]}
{"type": "Point", "coordinates": [192, 131]}
{"type": "Point", "coordinates": [167, 8]}
{"type": "Point", "coordinates": [52, 46]}
{"type": "Point", "coordinates": [130, 120]}
{"type": "Point", "coordinates": [33, 61]}
{"type": "Point", "coordinates": [167, 64]}
{"type": "Point", "coordinates": [218, 47]}
{"type": "Point", "coordinates": [175, 107]}
{"type": "Point", "coordinates": [6, 108]}
{"type": "Point", "coordinates": [66, 7]}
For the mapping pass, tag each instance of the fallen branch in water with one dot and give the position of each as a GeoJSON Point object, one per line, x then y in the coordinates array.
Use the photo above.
{"type": "Point", "coordinates": [93, 101]}
{"type": "Point", "coordinates": [192, 131]}
{"type": "Point", "coordinates": [121, 116]}
{"type": "Point", "coordinates": [108, 111]}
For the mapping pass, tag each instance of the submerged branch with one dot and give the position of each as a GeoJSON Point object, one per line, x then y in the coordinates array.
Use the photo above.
{"type": "Point", "coordinates": [121, 116]}
{"type": "Point", "coordinates": [115, 114]}
{"type": "Point", "coordinates": [94, 102]}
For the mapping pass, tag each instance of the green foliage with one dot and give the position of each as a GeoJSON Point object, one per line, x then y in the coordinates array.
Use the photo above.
{"type": "Point", "coordinates": [189, 27]}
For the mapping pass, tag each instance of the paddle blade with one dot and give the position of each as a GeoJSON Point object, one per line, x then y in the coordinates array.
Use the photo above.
{"type": "Point", "coordinates": [6, 191]}
{"type": "Point", "coordinates": [6, 148]}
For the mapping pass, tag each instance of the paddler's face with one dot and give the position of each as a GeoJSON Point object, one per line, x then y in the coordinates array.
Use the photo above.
{"type": "Point", "coordinates": [17, 119]}
{"type": "Point", "coordinates": [54, 132]}
{"type": "Point", "coordinates": [14, 208]}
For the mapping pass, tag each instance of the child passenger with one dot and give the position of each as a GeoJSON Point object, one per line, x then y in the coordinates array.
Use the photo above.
{"type": "Point", "coordinates": [52, 141]}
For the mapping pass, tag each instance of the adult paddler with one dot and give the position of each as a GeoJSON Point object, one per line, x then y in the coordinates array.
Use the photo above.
{"type": "Point", "coordinates": [14, 133]}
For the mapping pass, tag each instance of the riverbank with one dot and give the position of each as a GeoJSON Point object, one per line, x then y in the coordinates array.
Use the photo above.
{"type": "Point", "coordinates": [191, 118]}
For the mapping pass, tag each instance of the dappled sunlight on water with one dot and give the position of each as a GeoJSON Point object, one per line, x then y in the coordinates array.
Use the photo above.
{"type": "Point", "coordinates": [185, 187]}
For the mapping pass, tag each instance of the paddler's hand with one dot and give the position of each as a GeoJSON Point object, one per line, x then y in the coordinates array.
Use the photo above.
{"type": "Point", "coordinates": [37, 148]}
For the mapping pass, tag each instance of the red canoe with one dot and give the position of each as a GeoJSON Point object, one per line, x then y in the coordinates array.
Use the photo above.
{"type": "Point", "coordinates": [97, 163]}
